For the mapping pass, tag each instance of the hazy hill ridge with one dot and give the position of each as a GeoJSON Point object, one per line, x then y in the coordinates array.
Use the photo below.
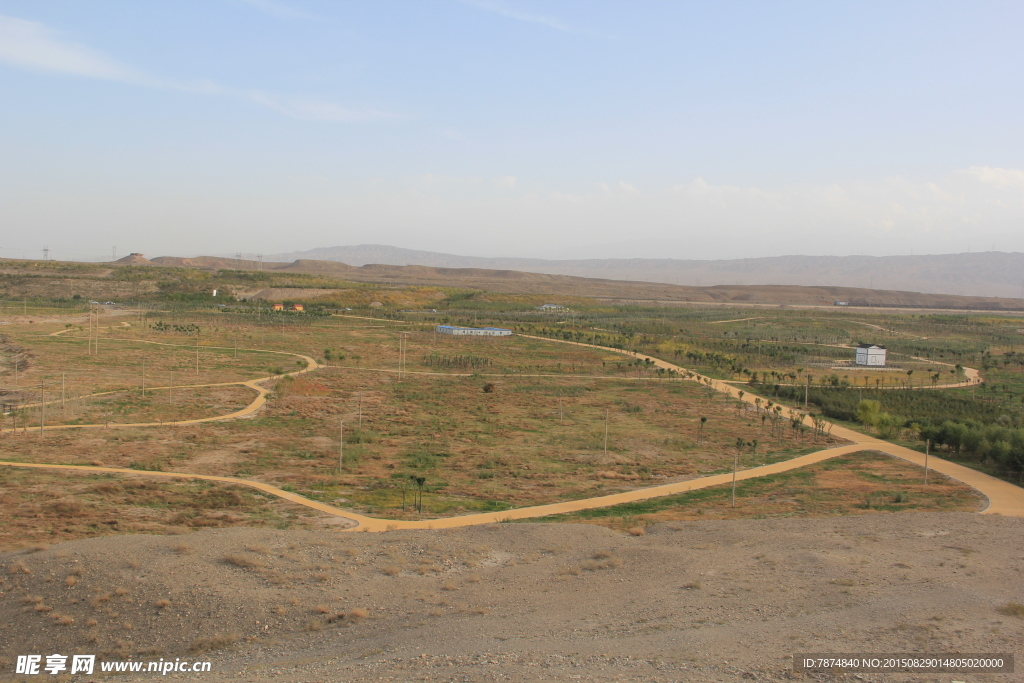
{"type": "Point", "coordinates": [991, 273]}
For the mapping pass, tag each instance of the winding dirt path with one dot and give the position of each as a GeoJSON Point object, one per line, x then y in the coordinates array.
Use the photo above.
{"type": "Point", "coordinates": [1004, 498]}
{"type": "Point", "coordinates": [254, 384]}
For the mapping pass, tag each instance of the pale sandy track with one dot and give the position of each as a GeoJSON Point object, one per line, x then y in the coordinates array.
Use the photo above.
{"type": "Point", "coordinates": [254, 384]}
{"type": "Point", "coordinates": [1004, 498]}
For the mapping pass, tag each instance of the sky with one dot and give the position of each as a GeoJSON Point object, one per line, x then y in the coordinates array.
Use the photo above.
{"type": "Point", "coordinates": [560, 129]}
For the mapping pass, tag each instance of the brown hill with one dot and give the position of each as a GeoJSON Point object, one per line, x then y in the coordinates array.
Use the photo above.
{"type": "Point", "coordinates": [520, 282]}
{"type": "Point", "coordinates": [991, 273]}
{"type": "Point", "coordinates": [134, 259]}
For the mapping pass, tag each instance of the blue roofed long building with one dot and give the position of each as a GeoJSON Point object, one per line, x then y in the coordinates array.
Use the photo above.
{"type": "Point", "coordinates": [473, 331]}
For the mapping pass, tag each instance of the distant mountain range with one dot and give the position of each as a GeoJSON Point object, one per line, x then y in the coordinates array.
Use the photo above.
{"type": "Point", "coordinates": [991, 273]}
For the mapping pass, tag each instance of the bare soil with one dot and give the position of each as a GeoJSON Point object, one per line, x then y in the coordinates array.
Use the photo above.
{"type": "Point", "coordinates": [687, 601]}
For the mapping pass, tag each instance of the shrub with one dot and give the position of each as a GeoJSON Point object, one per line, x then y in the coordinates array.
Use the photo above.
{"type": "Point", "coordinates": [243, 561]}
{"type": "Point", "coordinates": [1012, 609]}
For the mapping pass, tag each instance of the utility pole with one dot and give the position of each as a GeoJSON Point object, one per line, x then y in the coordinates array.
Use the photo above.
{"type": "Point", "coordinates": [360, 412]}
{"type": "Point", "coordinates": [62, 409]}
{"type": "Point", "coordinates": [143, 374]}
{"type": "Point", "coordinates": [606, 433]}
{"type": "Point", "coordinates": [341, 446]}
{"type": "Point", "coordinates": [927, 448]}
{"type": "Point", "coordinates": [197, 354]}
{"type": "Point", "coordinates": [807, 388]}
{"type": "Point", "coordinates": [735, 466]}
{"type": "Point", "coordinates": [170, 384]}
{"type": "Point", "coordinates": [42, 408]}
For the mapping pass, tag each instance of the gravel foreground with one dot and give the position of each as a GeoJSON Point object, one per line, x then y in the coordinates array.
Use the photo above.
{"type": "Point", "coordinates": [693, 601]}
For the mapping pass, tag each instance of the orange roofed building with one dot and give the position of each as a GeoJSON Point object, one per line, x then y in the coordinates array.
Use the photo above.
{"type": "Point", "coordinates": [278, 307]}
{"type": "Point", "coordinates": [297, 307]}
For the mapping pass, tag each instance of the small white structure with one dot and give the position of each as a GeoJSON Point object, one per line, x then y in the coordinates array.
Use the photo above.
{"type": "Point", "coordinates": [473, 331]}
{"type": "Point", "coordinates": [552, 307]}
{"type": "Point", "coordinates": [871, 355]}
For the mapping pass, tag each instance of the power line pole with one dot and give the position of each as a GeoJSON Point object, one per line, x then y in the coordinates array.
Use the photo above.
{"type": "Point", "coordinates": [735, 466]}
{"type": "Point", "coordinates": [42, 408]}
{"type": "Point", "coordinates": [341, 446]}
{"type": "Point", "coordinates": [606, 433]}
{"type": "Point", "coordinates": [143, 374]}
{"type": "Point", "coordinates": [927, 448]}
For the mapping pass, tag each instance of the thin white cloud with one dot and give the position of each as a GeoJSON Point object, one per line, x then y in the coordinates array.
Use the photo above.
{"type": "Point", "coordinates": [314, 110]}
{"type": "Point", "coordinates": [999, 177]}
{"type": "Point", "coordinates": [513, 13]}
{"type": "Point", "coordinates": [34, 46]}
{"type": "Point", "coordinates": [31, 45]}
{"type": "Point", "coordinates": [280, 10]}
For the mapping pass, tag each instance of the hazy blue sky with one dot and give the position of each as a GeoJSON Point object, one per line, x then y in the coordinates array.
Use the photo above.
{"type": "Point", "coordinates": [511, 127]}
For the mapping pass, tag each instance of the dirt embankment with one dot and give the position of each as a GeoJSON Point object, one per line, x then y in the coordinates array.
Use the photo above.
{"type": "Point", "coordinates": [694, 601]}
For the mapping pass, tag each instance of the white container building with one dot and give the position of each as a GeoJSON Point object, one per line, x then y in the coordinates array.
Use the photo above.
{"type": "Point", "coordinates": [871, 355]}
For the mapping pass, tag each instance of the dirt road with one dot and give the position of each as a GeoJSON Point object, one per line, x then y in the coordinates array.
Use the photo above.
{"type": "Point", "coordinates": [1004, 498]}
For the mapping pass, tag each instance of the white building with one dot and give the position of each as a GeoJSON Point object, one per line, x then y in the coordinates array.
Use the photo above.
{"type": "Point", "coordinates": [551, 307]}
{"type": "Point", "coordinates": [871, 355]}
{"type": "Point", "coordinates": [473, 331]}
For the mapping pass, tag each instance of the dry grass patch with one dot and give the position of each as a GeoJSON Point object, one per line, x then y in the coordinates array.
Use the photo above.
{"type": "Point", "coordinates": [390, 570]}
{"type": "Point", "coordinates": [601, 560]}
{"type": "Point", "coordinates": [162, 603]}
{"type": "Point", "coordinates": [71, 581]}
{"type": "Point", "coordinates": [215, 642]}
{"type": "Point", "coordinates": [244, 561]}
{"type": "Point", "coordinates": [1012, 609]}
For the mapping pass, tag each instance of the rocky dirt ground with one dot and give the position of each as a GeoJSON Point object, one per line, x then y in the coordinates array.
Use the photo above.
{"type": "Point", "coordinates": [715, 600]}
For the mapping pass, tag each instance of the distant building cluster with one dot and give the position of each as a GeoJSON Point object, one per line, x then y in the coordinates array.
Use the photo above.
{"type": "Point", "coordinates": [551, 307]}
{"type": "Point", "coordinates": [473, 331]}
{"type": "Point", "coordinates": [294, 307]}
{"type": "Point", "coordinates": [871, 355]}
